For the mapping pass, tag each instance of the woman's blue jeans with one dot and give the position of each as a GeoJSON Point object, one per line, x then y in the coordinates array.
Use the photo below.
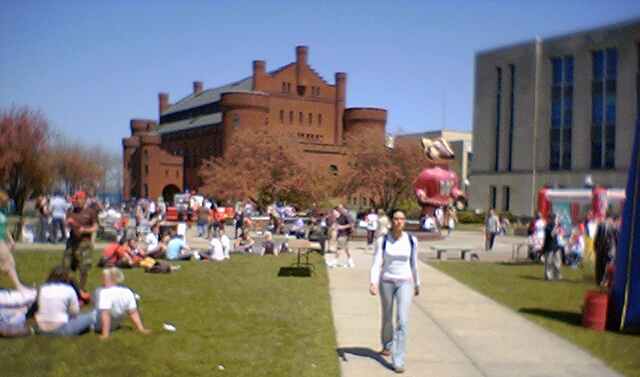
{"type": "Point", "coordinates": [76, 325]}
{"type": "Point", "coordinates": [400, 293]}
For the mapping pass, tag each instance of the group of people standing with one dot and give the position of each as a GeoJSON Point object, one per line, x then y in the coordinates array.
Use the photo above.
{"type": "Point", "coordinates": [593, 240]}
{"type": "Point", "coordinates": [442, 217]}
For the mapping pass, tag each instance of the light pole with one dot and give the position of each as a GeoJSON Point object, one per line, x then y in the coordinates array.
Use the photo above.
{"type": "Point", "coordinates": [536, 105]}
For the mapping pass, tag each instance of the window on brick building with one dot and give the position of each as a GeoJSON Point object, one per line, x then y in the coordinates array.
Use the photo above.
{"type": "Point", "coordinates": [310, 118]}
{"type": "Point", "coordinates": [333, 169]}
{"type": "Point", "coordinates": [284, 87]}
{"type": "Point", "coordinates": [288, 87]}
{"type": "Point", "coordinates": [319, 119]}
{"type": "Point", "coordinates": [291, 117]}
{"type": "Point", "coordinates": [146, 170]}
{"type": "Point", "coordinates": [166, 173]}
{"type": "Point", "coordinates": [301, 117]}
{"type": "Point", "coordinates": [236, 120]}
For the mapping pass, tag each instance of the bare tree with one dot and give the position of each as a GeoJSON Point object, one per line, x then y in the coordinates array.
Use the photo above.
{"type": "Point", "coordinates": [24, 156]}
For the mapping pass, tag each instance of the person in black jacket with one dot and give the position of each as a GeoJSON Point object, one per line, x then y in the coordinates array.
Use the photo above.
{"type": "Point", "coordinates": [605, 247]}
{"type": "Point", "coordinates": [551, 249]}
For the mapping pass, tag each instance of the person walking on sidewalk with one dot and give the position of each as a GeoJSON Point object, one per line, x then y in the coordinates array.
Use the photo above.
{"type": "Point", "coordinates": [491, 229]}
{"type": "Point", "coordinates": [394, 275]}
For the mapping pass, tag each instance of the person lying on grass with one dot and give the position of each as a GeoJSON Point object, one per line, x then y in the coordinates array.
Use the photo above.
{"type": "Point", "coordinates": [113, 301]}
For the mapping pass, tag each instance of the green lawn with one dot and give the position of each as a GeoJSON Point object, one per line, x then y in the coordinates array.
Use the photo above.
{"type": "Point", "coordinates": [237, 314]}
{"type": "Point", "coordinates": [556, 306]}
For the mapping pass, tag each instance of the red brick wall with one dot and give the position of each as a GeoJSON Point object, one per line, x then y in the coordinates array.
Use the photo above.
{"type": "Point", "coordinates": [292, 92]}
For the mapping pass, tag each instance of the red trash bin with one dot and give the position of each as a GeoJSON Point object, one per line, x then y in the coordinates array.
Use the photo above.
{"type": "Point", "coordinates": [594, 314]}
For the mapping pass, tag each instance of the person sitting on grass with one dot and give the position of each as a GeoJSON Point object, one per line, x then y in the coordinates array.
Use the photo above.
{"type": "Point", "coordinates": [216, 250]}
{"type": "Point", "coordinates": [111, 253]}
{"type": "Point", "coordinates": [58, 310]}
{"type": "Point", "coordinates": [14, 306]}
{"type": "Point", "coordinates": [131, 254]}
{"type": "Point", "coordinates": [245, 243]}
{"type": "Point", "coordinates": [226, 243]}
{"type": "Point", "coordinates": [576, 246]}
{"type": "Point", "coordinates": [177, 249]}
{"type": "Point", "coordinates": [113, 301]}
{"type": "Point", "coordinates": [268, 247]}
{"type": "Point", "coordinates": [155, 245]}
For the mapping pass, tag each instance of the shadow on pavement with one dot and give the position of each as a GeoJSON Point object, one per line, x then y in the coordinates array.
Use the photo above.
{"type": "Point", "coordinates": [363, 352]}
{"type": "Point", "coordinates": [571, 318]}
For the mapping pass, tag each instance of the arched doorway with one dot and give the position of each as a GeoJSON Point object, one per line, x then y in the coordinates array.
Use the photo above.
{"type": "Point", "coordinates": [168, 192]}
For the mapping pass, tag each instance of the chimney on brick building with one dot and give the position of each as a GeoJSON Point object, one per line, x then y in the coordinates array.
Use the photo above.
{"type": "Point", "coordinates": [197, 87]}
{"type": "Point", "coordinates": [163, 102]}
{"type": "Point", "coordinates": [302, 52]}
{"type": "Point", "coordinates": [259, 67]}
{"type": "Point", "coordinates": [341, 97]}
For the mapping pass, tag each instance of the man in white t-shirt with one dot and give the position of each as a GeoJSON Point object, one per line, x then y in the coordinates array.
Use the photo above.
{"type": "Point", "coordinates": [216, 250]}
{"type": "Point", "coordinates": [372, 226]}
{"type": "Point", "coordinates": [113, 301]}
{"type": "Point", "coordinates": [58, 207]}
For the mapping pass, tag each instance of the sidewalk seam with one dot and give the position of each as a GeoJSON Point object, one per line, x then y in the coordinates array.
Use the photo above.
{"type": "Point", "coordinates": [451, 338]}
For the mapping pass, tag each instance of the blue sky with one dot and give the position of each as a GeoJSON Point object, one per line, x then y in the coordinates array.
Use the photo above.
{"type": "Point", "coordinates": [92, 66]}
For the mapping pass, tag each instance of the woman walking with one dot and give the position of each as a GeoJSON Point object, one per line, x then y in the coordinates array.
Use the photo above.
{"type": "Point", "coordinates": [394, 274]}
{"type": "Point", "coordinates": [7, 263]}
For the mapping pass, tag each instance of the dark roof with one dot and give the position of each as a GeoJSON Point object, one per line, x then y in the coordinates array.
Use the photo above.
{"type": "Point", "coordinates": [209, 95]}
{"type": "Point", "coordinates": [185, 124]}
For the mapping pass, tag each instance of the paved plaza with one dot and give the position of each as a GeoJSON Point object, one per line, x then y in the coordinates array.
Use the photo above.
{"type": "Point", "coordinates": [453, 330]}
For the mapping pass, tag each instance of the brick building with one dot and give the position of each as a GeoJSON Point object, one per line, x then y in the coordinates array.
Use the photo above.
{"type": "Point", "coordinates": [163, 157]}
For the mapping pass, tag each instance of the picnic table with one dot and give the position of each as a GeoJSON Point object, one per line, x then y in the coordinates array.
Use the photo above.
{"type": "Point", "coordinates": [302, 247]}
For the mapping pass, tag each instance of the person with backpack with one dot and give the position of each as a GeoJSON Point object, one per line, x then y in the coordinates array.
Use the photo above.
{"type": "Point", "coordinates": [394, 274]}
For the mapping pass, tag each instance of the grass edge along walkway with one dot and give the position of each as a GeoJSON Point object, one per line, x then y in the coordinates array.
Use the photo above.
{"type": "Point", "coordinates": [238, 315]}
{"type": "Point", "coordinates": [556, 306]}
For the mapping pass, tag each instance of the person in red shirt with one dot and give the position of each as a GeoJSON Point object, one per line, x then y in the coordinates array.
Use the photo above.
{"type": "Point", "coordinates": [82, 222]}
{"type": "Point", "coordinates": [110, 254]}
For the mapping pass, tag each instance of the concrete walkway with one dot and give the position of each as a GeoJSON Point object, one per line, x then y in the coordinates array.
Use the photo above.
{"type": "Point", "coordinates": [453, 331]}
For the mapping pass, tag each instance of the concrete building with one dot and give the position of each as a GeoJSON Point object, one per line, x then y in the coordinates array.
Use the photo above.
{"type": "Point", "coordinates": [460, 142]}
{"type": "Point", "coordinates": [163, 157]}
{"type": "Point", "coordinates": [551, 112]}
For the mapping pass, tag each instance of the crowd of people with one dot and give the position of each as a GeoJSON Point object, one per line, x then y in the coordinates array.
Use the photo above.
{"type": "Point", "coordinates": [557, 241]}
{"type": "Point", "coordinates": [442, 217]}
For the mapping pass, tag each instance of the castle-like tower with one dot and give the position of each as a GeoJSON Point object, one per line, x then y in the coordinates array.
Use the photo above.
{"type": "Point", "coordinates": [294, 101]}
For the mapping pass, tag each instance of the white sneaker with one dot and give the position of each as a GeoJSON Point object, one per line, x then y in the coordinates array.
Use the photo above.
{"type": "Point", "coordinates": [350, 264]}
